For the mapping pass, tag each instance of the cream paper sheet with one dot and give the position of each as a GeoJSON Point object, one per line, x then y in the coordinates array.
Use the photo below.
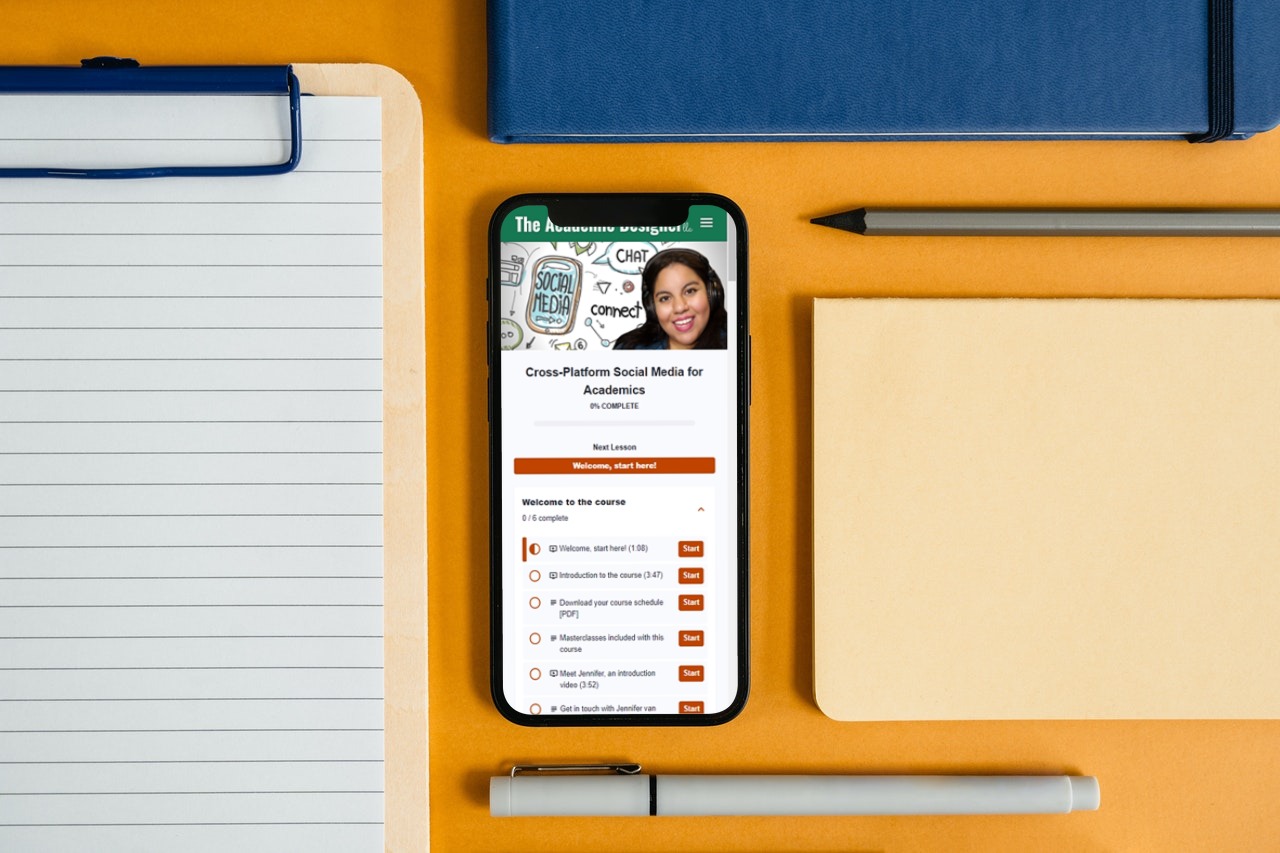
{"type": "Point", "coordinates": [1044, 509]}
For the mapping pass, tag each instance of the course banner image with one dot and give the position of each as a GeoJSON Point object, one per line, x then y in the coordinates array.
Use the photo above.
{"type": "Point", "coordinates": [587, 296]}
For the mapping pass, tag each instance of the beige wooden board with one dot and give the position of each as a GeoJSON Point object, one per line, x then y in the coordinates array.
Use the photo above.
{"type": "Point", "coordinates": [404, 440]}
{"type": "Point", "coordinates": [1046, 509]}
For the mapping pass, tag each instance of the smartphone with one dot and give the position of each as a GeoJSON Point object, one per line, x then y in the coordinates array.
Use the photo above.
{"type": "Point", "coordinates": [618, 399]}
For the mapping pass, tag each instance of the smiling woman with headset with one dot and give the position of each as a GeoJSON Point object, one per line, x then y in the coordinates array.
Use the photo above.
{"type": "Point", "coordinates": [683, 304]}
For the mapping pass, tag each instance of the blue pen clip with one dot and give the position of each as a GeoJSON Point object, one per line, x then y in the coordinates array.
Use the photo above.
{"type": "Point", "coordinates": [105, 74]}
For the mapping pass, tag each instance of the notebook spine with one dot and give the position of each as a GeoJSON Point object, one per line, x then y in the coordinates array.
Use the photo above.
{"type": "Point", "coordinates": [1221, 73]}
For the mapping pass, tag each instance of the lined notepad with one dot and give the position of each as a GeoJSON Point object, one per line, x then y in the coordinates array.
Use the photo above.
{"type": "Point", "coordinates": [191, 652]}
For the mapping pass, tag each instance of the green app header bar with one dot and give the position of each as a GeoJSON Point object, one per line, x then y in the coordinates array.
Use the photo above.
{"type": "Point", "coordinates": [529, 224]}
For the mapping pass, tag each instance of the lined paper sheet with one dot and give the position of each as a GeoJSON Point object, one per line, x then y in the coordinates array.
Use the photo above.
{"type": "Point", "coordinates": [191, 652]}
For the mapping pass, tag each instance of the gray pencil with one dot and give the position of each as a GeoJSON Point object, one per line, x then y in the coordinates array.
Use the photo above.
{"type": "Point", "coordinates": [1010, 222]}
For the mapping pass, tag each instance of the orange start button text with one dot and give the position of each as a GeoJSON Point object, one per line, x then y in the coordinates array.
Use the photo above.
{"type": "Point", "coordinates": [618, 465]}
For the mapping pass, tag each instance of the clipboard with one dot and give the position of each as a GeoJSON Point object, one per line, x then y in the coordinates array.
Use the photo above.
{"type": "Point", "coordinates": [405, 427]}
{"type": "Point", "coordinates": [404, 695]}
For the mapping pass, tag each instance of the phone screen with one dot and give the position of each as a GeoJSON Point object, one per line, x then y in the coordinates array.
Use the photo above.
{"type": "Point", "coordinates": [618, 424]}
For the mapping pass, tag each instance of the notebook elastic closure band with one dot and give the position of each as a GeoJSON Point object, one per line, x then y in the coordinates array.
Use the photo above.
{"type": "Point", "coordinates": [1222, 82]}
{"type": "Point", "coordinates": [108, 75]}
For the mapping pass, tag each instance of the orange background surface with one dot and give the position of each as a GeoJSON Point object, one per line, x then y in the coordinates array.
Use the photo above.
{"type": "Point", "coordinates": [1193, 785]}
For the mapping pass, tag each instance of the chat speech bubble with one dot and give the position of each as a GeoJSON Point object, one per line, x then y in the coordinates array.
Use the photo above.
{"type": "Point", "coordinates": [627, 258]}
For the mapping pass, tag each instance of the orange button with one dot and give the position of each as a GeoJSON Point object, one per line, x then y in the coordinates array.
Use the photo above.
{"type": "Point", "coordinates": [691, 576]}
{"type": "Point", "coordinates": [690, 602]}
{"type": "Point", "coordinates": [691, 708]}
{"type": "Point", "coordinates": [690, 638]}
{"type": "Point", "coordinates": [690, 549]}
{"type": "Point", "coordinates": [618, 465]}
{"type": "Point", "coordinates": [691, 673]}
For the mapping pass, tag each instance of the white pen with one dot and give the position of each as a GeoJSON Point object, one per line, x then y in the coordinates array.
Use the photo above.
{"type": "Point", "coordinates": [580, 790]}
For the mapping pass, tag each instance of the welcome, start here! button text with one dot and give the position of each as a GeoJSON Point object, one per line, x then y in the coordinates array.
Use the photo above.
{"type": "Point", "coordinates": [618, 465]}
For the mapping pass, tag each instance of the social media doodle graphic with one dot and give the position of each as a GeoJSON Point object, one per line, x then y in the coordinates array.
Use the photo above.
{"type": "Point", "coordinates": [553, 300]}
{"type": "Point", "coordinates": [596, 326]}
{"type": "Point", "coordinates": [511, 272]}
{"type": "Point", "coordinates": [511, 333]}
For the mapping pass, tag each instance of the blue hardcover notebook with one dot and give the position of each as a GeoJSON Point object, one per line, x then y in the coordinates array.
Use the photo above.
{"type": "Point", "coordinates": [646, 70]}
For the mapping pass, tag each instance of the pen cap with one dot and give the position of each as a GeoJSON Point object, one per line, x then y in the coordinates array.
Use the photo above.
{"type": "Point", "coordinates": [561, 796]}
{"type": "Point", "coordinates": [1086, 796]}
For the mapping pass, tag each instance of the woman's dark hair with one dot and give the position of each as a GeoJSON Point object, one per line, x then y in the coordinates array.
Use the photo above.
{"type": "Point", "coordinates": [714, 336]}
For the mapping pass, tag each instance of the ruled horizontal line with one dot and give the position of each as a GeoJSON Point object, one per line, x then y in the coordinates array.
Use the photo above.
{"type": "Point", "coordinates": [161, 485]}
{"type": "Point", "coordinates": [167, 668]}
{"type": "Point", "coordinates": [183, 823]}
{"type": "Point", "coordinates": [187, 138]}
{"type": "Point", "coordinates": [202, 297]}
{"type": "Point", "coordinates": [212, 141]}
{"type": "Point", "coordinates": [188, 577]}
{"type": "Point", "coordinates": [161, 731]}
{"type": "Point", "coordinates": [210, 202]}
{"type": "Point", "coordinates": [189, 328]}
{"type": "Point", "coordinates": [184, 233]}
{"type": "Point", "coordinates": [200, 637]}
{"type": "Point", "coordinates": [139, 606]}
{"type": "Point", "coordinates": [96, 360]}
{"type": "Point", "coordinates": [190, 234]}
{"type": "Point", "coordinates": [189, 390]}
{"type": "Point", "coordinates": [193, 452]}
{"type": "Point", "coordinates": [165, 793]}
{"type": "Point", "coordinates": [216, 761]}
{"type": "Point", "coordinates": [210, 699]}
{"type": "Point", "coordinates": [118, 547]}
{"type": "Point", "coordinates": [191, 266]}
{"type": "Point", "coordinates": [195, 515]}
{"type": "Point", "coordinates": [203, 421]}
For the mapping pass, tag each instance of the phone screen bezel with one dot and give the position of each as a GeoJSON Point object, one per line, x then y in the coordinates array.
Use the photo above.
{"type": "Point", "coordinates": [620, 209]}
